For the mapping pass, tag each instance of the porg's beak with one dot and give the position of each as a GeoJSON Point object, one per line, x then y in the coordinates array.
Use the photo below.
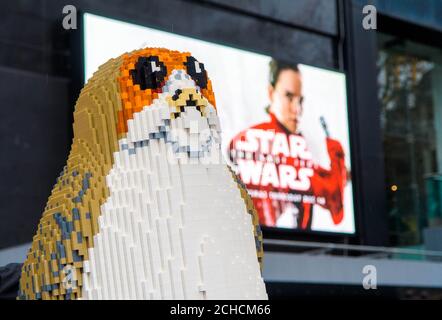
{"type": "Point", "coordinates": [186, 99]}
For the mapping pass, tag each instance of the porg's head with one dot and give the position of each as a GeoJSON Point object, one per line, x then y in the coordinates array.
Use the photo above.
{"type": "Point", "coordinates": [151, 93]}
{"type": "Point", "coordinates": [167, 95]}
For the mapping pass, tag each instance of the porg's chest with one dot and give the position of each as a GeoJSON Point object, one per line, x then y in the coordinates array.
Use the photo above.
{"type": "Point", "coordinates": [171, 230]}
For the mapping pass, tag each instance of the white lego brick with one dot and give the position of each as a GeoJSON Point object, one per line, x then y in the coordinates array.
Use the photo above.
{"type": "Point", "coordinates": [132, 132]}
{"type": "Point", "coordinates": [193, 126]}
{"type": "Point", "coordinates": [98, 268]}
{"type": "Point", "coordinates": [130, 268]}
{"type": "Point", "coordinates": [145, 291]}
{"type": "Point", "coordinates": [149, 120]}
{"type": "Point", "coordinates": [140, 254]}
{"type": "Point", "coordinates": [144, 124]}
{"type": "Point", "coordinates": [165, 113]}
{"type": "Point", "coordinates": [139, 130]}
{"type": "Point", "coordinates": [105, 264]}
{"type": "Point", "coordinates": [112, 265]}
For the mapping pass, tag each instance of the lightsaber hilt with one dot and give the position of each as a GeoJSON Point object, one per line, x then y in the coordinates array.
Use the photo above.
{"type": "Point", "coordinates": [324, 126]}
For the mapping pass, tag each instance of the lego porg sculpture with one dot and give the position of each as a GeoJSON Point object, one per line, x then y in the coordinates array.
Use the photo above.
{"type": "Point", "coordinates": [145, 208]}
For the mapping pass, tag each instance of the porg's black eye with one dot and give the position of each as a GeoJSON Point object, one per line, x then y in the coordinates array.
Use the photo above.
{"type": "Point", "coordinates": [149, 72]}
{"type": "Point", "coordinates": [196, 70]}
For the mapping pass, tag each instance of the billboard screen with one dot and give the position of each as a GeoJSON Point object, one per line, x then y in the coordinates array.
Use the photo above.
{"type": "Point", "coordinates": [284, 125]}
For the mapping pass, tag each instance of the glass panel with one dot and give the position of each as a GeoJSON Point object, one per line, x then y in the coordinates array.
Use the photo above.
{"type": "Point", "coordinates": [410, 92]}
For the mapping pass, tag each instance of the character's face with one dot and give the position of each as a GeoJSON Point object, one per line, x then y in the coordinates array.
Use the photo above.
{"type": "Point", "coordinates": [286, 99]}
{"type": "Point", "coordinates": [168, 95]}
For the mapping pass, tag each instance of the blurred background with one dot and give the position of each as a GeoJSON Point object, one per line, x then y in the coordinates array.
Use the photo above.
{"type": "Point", "coordinates": [394, 92]}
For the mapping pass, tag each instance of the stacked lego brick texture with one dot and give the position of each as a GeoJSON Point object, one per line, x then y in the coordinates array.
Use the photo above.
{"type": "Point", "coordinates": [142, 209]}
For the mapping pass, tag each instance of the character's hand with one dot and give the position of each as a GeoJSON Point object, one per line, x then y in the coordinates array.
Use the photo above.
{"type": "Point", "coordinates": [335, 149]}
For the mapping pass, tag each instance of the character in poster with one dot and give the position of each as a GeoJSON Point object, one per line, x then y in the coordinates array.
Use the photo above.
{"type": "Point", "coordinates": [274, 162]}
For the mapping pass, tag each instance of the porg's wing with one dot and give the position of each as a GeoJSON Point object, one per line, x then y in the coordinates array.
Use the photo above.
{"type": "Point", "coordinates": [54, 263]}
{"type": "Point", "coordinates": [255, 219]}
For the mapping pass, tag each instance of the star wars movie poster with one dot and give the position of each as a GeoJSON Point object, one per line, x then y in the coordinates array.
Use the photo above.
{"type": "Point", "coordinates": [294, 160]}
{"type": "Point", "coordinates": [284, 125]}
